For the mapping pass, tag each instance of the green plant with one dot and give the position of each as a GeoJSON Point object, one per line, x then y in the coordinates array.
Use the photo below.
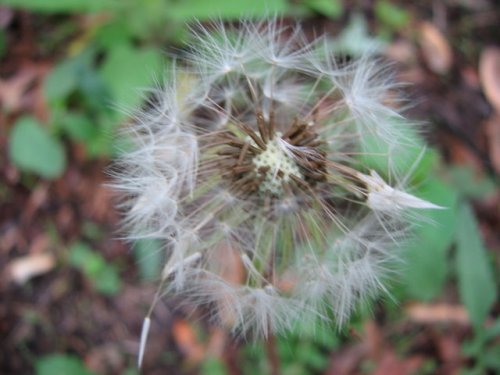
{"type": "Point", "coordinates": [33, 148]}
{"type": "Point", "coordinates": [61, 364]}
{"type": "Point", "coordinates": [104, 277]}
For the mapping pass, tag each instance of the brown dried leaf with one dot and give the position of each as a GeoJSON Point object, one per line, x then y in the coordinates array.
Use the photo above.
{"type": "Point", "coordinates": [24, 268]}
{"type": "Point", "coordinates": [437, 313]}
{"type": "Point", "coordinates": [187, 341]}
{"type": "Point", "coordinates": [6, 16]}
{"type": "Point", "coordinates": [489, 73]}
{"type": "Point", "coordinates": [435, 48]}
{"type": "Point", "coordinates": [13, 90]}
{"type": "Point", "coordinates": [401, 51]}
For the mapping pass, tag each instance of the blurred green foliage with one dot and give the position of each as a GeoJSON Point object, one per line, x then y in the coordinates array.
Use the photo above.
{"type": "Point", "coordinates": [33, 149]}
{"type": "Point", "coordinates": [213, 366]}
{"type": "Point", "coordinates": [356, 40]}
{"type": "Point", "coordinates": [473, 268]}
{"type": "Point", "coordinates": [484, 349]}
{"type": "Point", "coordinates": [149, 258]}
{"type": "Point", "coordinates": [61, 364]}
{"type": "Point", "coordinates": [53, 6]}
{"type": "Point", "coordinates": [3, 43]}
{"type": "Point", "coordinates": [391, 16]}
{"type": "Point", "coordinates": [184, 10]}
{"type": "Point", "coordinates": [103, 276]}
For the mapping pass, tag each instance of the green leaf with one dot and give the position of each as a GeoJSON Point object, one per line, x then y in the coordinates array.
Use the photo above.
{"type": "Point", "coordinates": [116, 32]}
{"type": "Point", "coordinates": [491, 357]}
{"type": "Point", "coordinates": [84, 258]}
{"type": "Point", "coordinates": [78, 127]}
{"type": "Point", "coordinates": [426, 253]}
{"type": "Point", "coordinates": [127, 70]}
{"type": "Point", "coordinates": [475, 277]}
{"type": "Point", "coordinates": [356, 40]}
{"type": "Point", "coordinates": [493, 331]}
{"type": "Point", "coordinates": [223, 9]}
{"type": "Point", "coordinates": [96, 134]}
{"type": "Point", "coordinates": [94, 90]}
{"type": "Point", "coordinates": [61, 80]}
{"type": "Point", "coordinates": [406, 148]}
{"type": "Point", "coordinates": [33, 149]}
{"type": "Point", "coordinates": [107, 281]}
{"type": "Point", "coordinates": [329, 8]}
{"type": "Point", "coordinates": [473, 371]}
{"type": "Point", "coordinates": [92, 231]}
{"type": "Point", "coordinates": [482, 339]}
{"type": "Point", "coordinates": [104, 277]}
{"type": "Point", "coordinates": [391, 15]}
{"type": "Point", "coordinates": [131, 371]}
{"type": "Point", "coordinates": [213, 366]}
{"type": "Point", "coordinates": [63, 6]}
{"type": "Point", "coordinates": [469, 184]}
{"type": "Point", "coordinates": [61, 364]}
{"type": "Point", "coordinates": [3, 43]}
{"type": "Point", "coordinates": [104, 142]}
{"type": "Point", "coordinates": [149, 258]}
{"type": "Point", "coordinates": [68, 76]}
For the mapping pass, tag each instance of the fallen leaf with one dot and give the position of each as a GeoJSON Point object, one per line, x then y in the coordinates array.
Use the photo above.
{"type": "Point", "coordinates": [435, 48]}
{"type": "Point", "coordinates": [437, 313]}
{"type": "Point", "coordinates": [13, 90]}
{"type": "Point", "coordinates": [24, 268]}
{"type": "Point", "coordinates": [6, 17]}
{"type": "Point", "coordinates": [489, 73]}
{"type": "Point", "coordinates": [401, 51]}
{"type": "Point", "coordinates": [187, 341]}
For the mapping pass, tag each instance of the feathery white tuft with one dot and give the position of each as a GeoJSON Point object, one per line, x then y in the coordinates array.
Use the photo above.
{"type": "Point", "coordinates": [383, 197]}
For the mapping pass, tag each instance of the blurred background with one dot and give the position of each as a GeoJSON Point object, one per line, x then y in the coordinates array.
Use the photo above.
{"type": "Point", "coordinates": [73, 296]}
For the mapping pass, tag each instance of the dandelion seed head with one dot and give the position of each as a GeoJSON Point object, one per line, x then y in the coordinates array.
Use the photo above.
{"type": "Point", "coordinates": [277, 167]}
{"type": "Point", "coordinates": [249, 167]}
